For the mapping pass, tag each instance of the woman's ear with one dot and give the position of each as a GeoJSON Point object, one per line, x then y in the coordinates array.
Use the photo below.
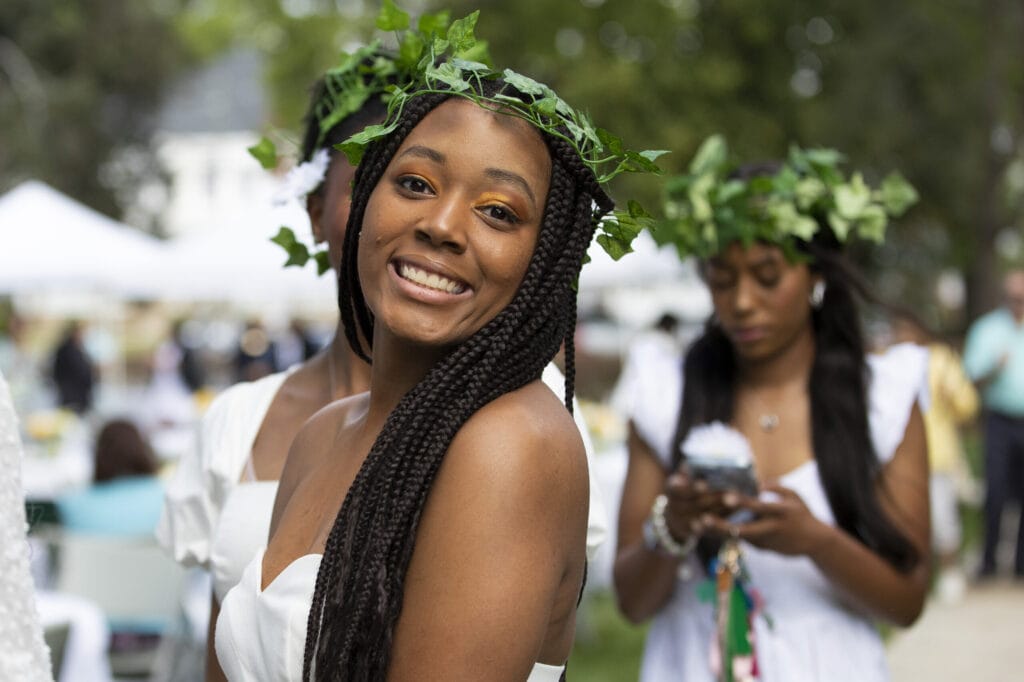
{"type": "Point", "coordinates": [315, 210]}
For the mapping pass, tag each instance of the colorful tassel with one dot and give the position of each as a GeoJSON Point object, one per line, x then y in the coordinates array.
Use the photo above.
{"type": "Point", "coordinates": [733, 657]}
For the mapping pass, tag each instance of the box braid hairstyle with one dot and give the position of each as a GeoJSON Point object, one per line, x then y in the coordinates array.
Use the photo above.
{"type": "Point", "coordinates": [358, 594]}
{"type": "Point", "coordinates": [837, 389]}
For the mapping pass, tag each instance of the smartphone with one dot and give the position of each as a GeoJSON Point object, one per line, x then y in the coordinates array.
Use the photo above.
{"type": "Point", "coordinates": [723, 476]}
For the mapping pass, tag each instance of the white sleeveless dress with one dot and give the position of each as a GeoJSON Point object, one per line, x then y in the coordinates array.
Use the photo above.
{"type": "Point", "coordinates": [261, 635]}
{"type": "Point", "coordinates": [816, 634]}
{"type": "Point", "coordinates": [214, 515]}
{"type": "Point", "coordinates": [216, 518]}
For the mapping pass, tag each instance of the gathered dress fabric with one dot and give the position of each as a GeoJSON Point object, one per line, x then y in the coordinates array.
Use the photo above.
{"type": "Point", "coordinates": [261, 634]}
{"type": "Point", "coordinates": [213, 515]}
{"type": "Point", "coordinates": [23, 653]}
{"type": "Point", "coordinates": [807, 631]}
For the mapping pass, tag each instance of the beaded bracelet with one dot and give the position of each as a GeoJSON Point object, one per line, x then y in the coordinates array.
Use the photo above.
{"type": "Point", "coordinates": [667, 543]}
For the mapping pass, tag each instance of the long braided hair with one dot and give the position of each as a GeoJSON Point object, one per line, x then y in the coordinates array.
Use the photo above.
{"type": "Point", "coordinates": [358, 594]}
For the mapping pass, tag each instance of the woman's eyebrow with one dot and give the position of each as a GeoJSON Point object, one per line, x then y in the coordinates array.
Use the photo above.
{"type": "Point", "coordinates": [507, 176]}
{"type": "Point", "coordinates": [424, 153]}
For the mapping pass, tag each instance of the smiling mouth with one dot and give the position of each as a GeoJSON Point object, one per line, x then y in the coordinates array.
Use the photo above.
{"type": "Point", "coordinates": [429, 280]}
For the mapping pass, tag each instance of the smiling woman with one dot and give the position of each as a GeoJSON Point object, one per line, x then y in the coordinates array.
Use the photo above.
{"type": "Point", "coordinates": [452, 233]}
{"type": "Point", "coordinates": [434, 528]}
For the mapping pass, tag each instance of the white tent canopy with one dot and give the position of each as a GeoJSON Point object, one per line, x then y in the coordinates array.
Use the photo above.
{"type": "Point", "coordinates": [51, 243]}
{"type": "Point", "coordinates": [238, 263]}
{"type": "Point", "coordinates": [638, 288]}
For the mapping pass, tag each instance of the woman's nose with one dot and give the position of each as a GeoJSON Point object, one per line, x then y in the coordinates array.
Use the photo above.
{"type": "Point", "coordinates": [444, 225]}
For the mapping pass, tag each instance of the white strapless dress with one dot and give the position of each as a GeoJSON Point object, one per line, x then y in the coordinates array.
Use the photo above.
{"type": "Point", "coordinates": [261, 634]}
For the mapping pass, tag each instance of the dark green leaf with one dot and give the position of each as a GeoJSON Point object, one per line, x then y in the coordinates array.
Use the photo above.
{"type": "Point", "coordinates": [323, 262]}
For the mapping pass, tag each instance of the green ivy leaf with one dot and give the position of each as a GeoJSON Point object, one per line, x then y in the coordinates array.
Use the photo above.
{"type": "Point", "coordinates": [355, 145]}
{"type": "Point", "coordinates": [871, 224]}
{"type": "Point", "coordinates": [852, 197]}
{"type": "Point", "coordinates": [808, 191]}
{"type": "Point", "coordinates": [839, 225]}
{"type": "Point", "coordinates": [460, 33]}
{"type": "Point", "coordinates": [391, 18]}
{"type": "Point", "coordinates": [523, 84]}
{"type": "Point", "coordinates": [613, 143]}
{"type": "Point", "coordinates": [323, 262]}
{"type": "Point", "coordinates": [896, 194]}
{"type": "Point", "coordinates": [265, 152]}
{"type": "Point", "coordinates": [285, 237]}
{"type": "Point", "coordinates": [298, 255]}
{"type": "Point", "coordinates": [710, 157]}
{"type": "Point", "coordinates": [410, 51]}
{"type": "Point", "coordinates": [435, 24]}
{"type": "Point", "coordinates": [449, 74]}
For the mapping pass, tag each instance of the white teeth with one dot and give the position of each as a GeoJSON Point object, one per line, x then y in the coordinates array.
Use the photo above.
{"type": "Point", "coordinates": [430, 280]}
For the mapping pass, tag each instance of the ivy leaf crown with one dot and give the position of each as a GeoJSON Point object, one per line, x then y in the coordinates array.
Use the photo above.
{"type": "Point", "coordinates": [443, 56]}
{"type": "Point", "coordinates": [708, 208]}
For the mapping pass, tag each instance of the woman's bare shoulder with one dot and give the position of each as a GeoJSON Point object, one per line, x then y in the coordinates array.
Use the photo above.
{"type": "Point", "coordinates": [526, 437]}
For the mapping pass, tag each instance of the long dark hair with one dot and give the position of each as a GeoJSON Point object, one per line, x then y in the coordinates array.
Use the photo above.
{"type": "Point", "coordinates": [360, 583]}
{"type": "Point", "coordinates": [848, 465]}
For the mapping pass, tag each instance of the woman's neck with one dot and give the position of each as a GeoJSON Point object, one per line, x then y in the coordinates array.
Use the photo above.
{"type": "Point", "coordinates": [791, 364]}
{"type": "Point", "coordinates": [348, 374]}
{"type": "Point", "coordinates": [397, 367]}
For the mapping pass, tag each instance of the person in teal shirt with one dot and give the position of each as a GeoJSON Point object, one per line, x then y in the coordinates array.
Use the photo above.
{"type": "Point", "coordinates": [126, 496]}
{"type": "Point", "coordinates": [994, 359]}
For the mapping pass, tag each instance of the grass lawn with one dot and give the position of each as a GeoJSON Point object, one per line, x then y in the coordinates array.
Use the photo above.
{"type": "Point", "coordinates": [608, 647]}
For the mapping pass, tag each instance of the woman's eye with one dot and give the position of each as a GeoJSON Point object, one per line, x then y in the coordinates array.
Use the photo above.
{"type": "Point", "coordinates": [414, 184]}
{"type": "Point", "coordinates": [499, 212]}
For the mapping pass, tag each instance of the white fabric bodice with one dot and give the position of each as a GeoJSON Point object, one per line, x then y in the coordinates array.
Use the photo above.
{"type": "Point", "coordinates": [261, 634]}
{"type": "Point", "coordinates": [244, 524]}
{"type": "Point", "coordinates": [815, 634]}
{"type": "Point", "coordinates": [23, 653]}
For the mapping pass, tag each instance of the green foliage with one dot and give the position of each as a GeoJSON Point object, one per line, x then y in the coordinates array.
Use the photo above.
{"type": "Point", "coordinates": [706, 209]}
{"type": "Point", "coordinates": [79, 83]}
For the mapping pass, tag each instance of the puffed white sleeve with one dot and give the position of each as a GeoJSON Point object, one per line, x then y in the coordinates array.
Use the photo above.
{"type": "Point", "coordinates": [658, 386]}
{"type": "Point", "coordinates": [597, 520]}
{"type": "Point", "coordinates": [196, 493]}
{"type": "Point", "coordinates": [898, 380]}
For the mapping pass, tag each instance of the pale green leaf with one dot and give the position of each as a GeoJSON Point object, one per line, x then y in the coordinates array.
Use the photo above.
{"type": "Point", "coordinates": [265, 152]}
{"type": "Point", "coordinates": [391, 18]}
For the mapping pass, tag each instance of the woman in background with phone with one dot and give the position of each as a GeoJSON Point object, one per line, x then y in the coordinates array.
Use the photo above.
{"type": "Point", "coordinates": [838, 537]}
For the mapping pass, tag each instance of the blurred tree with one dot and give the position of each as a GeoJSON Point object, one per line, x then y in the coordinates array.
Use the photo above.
{"type": "Point", "coordinates": [78, 83]}
{"type": "Point", "coordinates": [300, 39]}
{"type": "Point", "coordinates": [935, 89]}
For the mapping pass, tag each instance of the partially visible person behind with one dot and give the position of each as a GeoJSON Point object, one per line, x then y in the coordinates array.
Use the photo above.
{"type": "Point", "coordinates": [295, 345]}
{"type": "Point", "coordinates": [994, 359]}
{"type": "Point", "coordinates": [953, 403]}
{"type": "Point", "coordinates": [23, 652]}
{"type": "Point", "coordinates": [126, 495]}
{"type": "Point", "coordinates": [255, 356]}
{"type": "Point", "coordinates": [838, 536]}
{"type": "Point", "coordinates": [72, 371]}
